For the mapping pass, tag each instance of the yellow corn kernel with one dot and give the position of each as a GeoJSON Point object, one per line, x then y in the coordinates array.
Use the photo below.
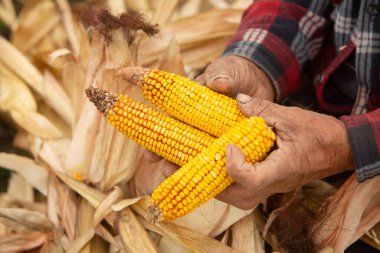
{"type": "Point", "coordinates": [148, 127]}
{"type": "Point", "coordinates": [206, 173]}
{"type": "Point", "coordinates": [186, 100]}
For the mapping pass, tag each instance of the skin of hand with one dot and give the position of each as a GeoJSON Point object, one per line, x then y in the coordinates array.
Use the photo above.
{"type": "Point", "coordinates": [232, 74]}
{"type": "Point", "coordinates": [151, 170]}
{"type": "Point", "coordinates": [228, 75]}
{"type": "Point", "coordinates": [309, 146]}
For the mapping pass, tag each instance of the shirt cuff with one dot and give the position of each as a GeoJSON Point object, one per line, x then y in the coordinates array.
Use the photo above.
{"type": "Point", "coordinates": [364, 135]}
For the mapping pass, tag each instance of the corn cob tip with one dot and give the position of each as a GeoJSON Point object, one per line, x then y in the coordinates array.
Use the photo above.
{"type": "Point", "coordinates": [153, 214]}
{"type": "Point", "coordinates": [133, 75]}
{"type": "Point", "coordinates": [103, 100]}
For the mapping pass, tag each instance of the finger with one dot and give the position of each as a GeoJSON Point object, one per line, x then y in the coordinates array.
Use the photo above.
{"type": "Point", "coordinates": [234, 192]}
{"type": "Point", "coordinates": [252, 176]}
{"type": "Point", "coordinates": [169, 168]}
{"type": "Point", "coordinates": [224, 85]}
{"type": "Point", "coordinates": [151, 157]}
{"type": "Point", "coordinates": [218, 82]}
{"type": "Point", "coordinates": [240, 197]}
{"type": "Point", "coordinates": [258, 107]}
{"type": "Point", "coordinates": [236, 166]}
{"type": "Point", "coordinates": [201, 79]}
{"type": "Point", "coordinates": [218, 69]}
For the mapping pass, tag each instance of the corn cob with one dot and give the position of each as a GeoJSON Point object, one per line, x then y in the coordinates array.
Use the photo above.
{"type": "Point", "coordinates": [166, 136]}
{"type": "Point", "coordinates": [205, 176]}
{"type": "Point", "coordinates": [186, 100]}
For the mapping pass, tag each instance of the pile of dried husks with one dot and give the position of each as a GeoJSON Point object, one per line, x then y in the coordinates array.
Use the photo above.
{"type": "Point", "coordinates": [71, 173]}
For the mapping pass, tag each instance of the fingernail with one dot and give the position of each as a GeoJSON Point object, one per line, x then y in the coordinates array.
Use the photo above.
{"type": "Point", "coordinates": [243, 98]}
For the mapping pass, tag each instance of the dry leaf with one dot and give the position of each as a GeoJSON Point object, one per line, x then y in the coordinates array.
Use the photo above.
{"type": "Point", "coordinates": [7, 12]}
{"type": "Point", "coordinates": [19, 64]}
{"type": "Point", "coordinates": [66, 111]}
{"type": "Point", "coordinates": [133, 234]}
{"type": "Point", "coordinates": [21, 242]}
{"type": "Point", "coordinates": [35, 21]}
{"type": "Point", "coordinates": [105, 207]}
{"type": "Point", "coordinates": [171, 59]}
{"type": "Point", "coordinates": [165, 11]}
{"type": "Point", "coordinates": [218, 3]}
{"type": "Point", "coordinates": [373, 236]}
{"type": "Point", "coordinates": [168, 245]}
{"type": "Point", "coordinates": [35, 174]}
{"type": "Point", "coordinates": [116, 6]}
{"type": "Point", "coordinates": [212, 218]}
{"type": "Point", "coordinates": [348, 214]}
{"type": "Point", "coordinates": [216, 24]}
{"type": "Point", "coordinates": [24, 220]}
{"type": "Point", "coordinates": [15, 94]}
{"type": "Point", "coordinates": [78, 154]}
{"type": "Point", "coordinates": [92, 195]}
{"type": "Point", "coordinates": [19, 189]}
{"type": "Point", "coordinates": [116, 58]}
{"type": "Point", "coordinates": [36, 124]}
{"type": "Point", "coordinates": [108, 237]}
{"type": "Point", "coordinates": [68, 23]}
{"type": "Point", "coordinates": [117, 207]}
{"type": "Point", "coordinates": [85, 228]}
{"type": "Point", "coordinates": [190, 8]}
{"type": "Point", "coordinates": [67, 208]}
{"type": "Point", "coordinates": [246, 236]}
{"type": "Point", "coordinates": [194, 241]}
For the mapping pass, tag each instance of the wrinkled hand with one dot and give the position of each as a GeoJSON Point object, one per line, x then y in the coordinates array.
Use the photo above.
{"type": "Point", "coordinates": [309, 146]}
{"type": "Point", "coordinates": [231, 75]}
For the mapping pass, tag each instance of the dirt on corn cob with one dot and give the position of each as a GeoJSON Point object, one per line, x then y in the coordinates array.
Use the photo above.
{"type": "Point", "coordinates": [203, 177]}
{"type": "Point", "coordinates": [166, 136]}
{"type": "Point", "coordinates": [186, 100]}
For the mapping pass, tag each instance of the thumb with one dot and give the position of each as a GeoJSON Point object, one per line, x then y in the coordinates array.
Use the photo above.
{"type": "Point", "coordinates": [213, 73]}
{"type": "Point", "coordinates": [224, 85]}
{"type": "Point", "coordinates": [201, 79]}
{"type": "Point", "coordinates": [259, 107]}
{"type": "Point", "coordinates": [251, 176]}
{"type": "Point", "coordinates": [219, 77]}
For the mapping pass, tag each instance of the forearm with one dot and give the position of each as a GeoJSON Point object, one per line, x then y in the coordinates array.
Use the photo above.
{"type": "Point", "coordinates": [364, 135]}
{"type": "Point", "coordinates": [280, 36]}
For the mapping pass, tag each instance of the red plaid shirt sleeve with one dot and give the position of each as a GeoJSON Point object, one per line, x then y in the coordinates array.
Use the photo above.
{"type": "Point", "coordinates": [280, 36]}
{"type": "Point", "coordinates": [364, 135]}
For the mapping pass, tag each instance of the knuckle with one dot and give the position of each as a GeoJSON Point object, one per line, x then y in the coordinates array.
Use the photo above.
{"type": "Point", "coordinates": [234, 170]}
{"type": "Point", "coordinates": [257, 107]}
{"type": "Point", "coordinates": [262, 105]}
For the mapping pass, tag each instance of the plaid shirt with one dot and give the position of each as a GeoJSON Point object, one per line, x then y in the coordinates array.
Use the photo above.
{"type": "Point", "coordinates": [290, 40]}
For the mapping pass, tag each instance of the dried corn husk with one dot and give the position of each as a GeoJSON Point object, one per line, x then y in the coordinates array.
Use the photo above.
{"type": "Point", "coordinates": [79, 165]}
{"type": "Point", "coordinates": [352, 211]}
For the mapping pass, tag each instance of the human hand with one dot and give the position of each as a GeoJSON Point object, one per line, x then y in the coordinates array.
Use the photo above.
{"type": "Point", "coordinates": [231, 75]}
{"type": "Point", "coordinates": [309, 146]}
{"type": "Point", "coordinates": [151, 170]}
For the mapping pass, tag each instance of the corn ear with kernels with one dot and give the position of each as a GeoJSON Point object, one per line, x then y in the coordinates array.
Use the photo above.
{"type": "Point", "coordinates": [165, 136]}
{"type": "Point", "coordinates": [186, 100]}
{"type": "Point", "coordinates": [203, 177]}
